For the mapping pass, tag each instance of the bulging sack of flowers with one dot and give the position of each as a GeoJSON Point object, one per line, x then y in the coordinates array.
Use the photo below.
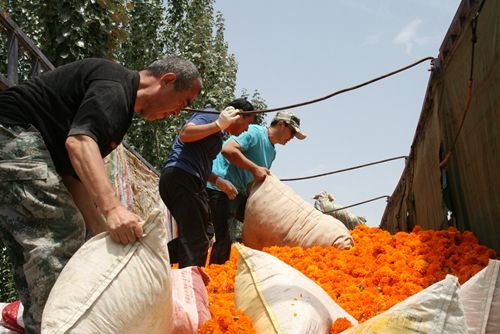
{"type": "Point", "coordinates": [276, 216]}
{"type": "Point", "coordinates": [107, 287]}
{"type": "Point", "coordinates": [190, 299]}
{"type": "Point", "coordinates": [279, 298]}
{"type": "Point", "coordinates": [325, 202]}
{"type": "Point", "coordinates": [437, 309]}
{"type": "Point", "coordinates": [480, 297]}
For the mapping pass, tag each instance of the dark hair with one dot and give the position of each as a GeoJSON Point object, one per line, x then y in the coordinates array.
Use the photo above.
{"type": "Point", "coordinates": [184, 69]}
{"type": "Point", "coordinates": [242, 104]}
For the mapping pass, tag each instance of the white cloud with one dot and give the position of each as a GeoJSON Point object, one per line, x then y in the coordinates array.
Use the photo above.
{"type": "Point", "coordinates": [408, 36]}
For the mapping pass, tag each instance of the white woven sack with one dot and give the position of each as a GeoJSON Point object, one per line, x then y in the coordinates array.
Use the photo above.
{"type": "Point", "coordinates": [190, 297]}
{"type": "Point", "coordinates": [276, 216]}
{"type": "Point", "coordinates": [280, 299]}
{"type": "Point", "coordinates": [107, 287]}
{"type": "Point", "coordinates": [480, 297]}
{"type": "Point", "coordinates": [434, 310]}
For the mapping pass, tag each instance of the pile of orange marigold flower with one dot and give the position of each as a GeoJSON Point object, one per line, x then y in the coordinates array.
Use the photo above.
{"type": "Point", "coordinates": [381, 270]}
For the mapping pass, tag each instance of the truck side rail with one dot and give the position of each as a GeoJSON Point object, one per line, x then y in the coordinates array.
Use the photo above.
{"type": "Point", "coordinates": [15, 39]}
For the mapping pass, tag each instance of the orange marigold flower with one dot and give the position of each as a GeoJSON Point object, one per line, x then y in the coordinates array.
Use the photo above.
{"type": "Point", "coordinates": [380, 271]}
{"type": "Point", "coordinates": [340, 325]}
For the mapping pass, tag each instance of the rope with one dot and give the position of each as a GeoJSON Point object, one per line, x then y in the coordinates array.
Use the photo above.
{"type": "Point", "coordinates": [327, 96]}
{"type": "Point", "coordinates": [468, 100]}
{"type": "Point", "coordinates": [356, 204]}
{"type": "Point", "coordinates": [345, 169]}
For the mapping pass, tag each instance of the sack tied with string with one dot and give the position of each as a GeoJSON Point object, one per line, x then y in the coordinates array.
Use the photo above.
{"type": "Point", "coordinates": [276, 216]}
{"type": "Point", "coordinates": [108, 288]}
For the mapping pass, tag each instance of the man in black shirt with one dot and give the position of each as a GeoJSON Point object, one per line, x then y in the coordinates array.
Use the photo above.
{"type": "Point", "coordinates": [54, 131]}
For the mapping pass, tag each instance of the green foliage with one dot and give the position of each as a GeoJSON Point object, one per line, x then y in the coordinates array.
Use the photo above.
{"type": "Point", "coordinates": [67, 30]}
{"type": "Point", "coordinates": [259, 104]}
{"type": "Point", "coordinates": [196, 34]}
{"type": "Point", "coordinates": [153, 140]}
{"type": "Point", "coordinates": [135, 33]}
{"type": "Point", "coordinates": [20, 11]}
{"type": "Point", "coordinates": [24, 13]}
{"type": "Point", "coordinates": [191, 30]}
{"type": "Point", "coordinates": [144, 30]}
{"type": "Point", "coordinates": [84, 29]}
{"type": "Point", "coordinates": [145, 44]}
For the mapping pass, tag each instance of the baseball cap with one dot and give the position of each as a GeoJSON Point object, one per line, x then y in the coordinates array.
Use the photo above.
{"type": "Point", "coordinates": [291, 120]}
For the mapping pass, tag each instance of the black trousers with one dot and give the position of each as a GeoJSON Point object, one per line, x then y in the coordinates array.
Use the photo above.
{"type": "Point", "coordinates": [223, 212]}
{"type": "Point", "coordinates": [186, 198]}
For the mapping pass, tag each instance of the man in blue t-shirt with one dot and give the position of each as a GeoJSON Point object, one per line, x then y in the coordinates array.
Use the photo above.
{"type": "Point", "coordinates": [188, 168]}
{"type": "Point", "coordinates": [243, 159]}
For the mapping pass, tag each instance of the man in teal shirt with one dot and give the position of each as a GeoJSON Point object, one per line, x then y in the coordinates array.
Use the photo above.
{"type": "Point", "coordinates": [243, 159]}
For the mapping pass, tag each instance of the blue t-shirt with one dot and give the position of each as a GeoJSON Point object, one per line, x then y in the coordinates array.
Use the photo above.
{"type": "Point", "coordinates": [256, 146]}
{"type": "Point", "coordinates": [197, 157]}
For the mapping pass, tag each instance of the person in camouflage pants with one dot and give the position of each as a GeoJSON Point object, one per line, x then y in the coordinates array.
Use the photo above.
{"type": "Point", "coordinates": [39, 223]}
{"type": "Point", "coordinates": [55, 130]}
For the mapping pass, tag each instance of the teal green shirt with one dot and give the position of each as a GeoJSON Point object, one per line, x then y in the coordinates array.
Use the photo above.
{"type": "Point", "coordinates": [256, 146]}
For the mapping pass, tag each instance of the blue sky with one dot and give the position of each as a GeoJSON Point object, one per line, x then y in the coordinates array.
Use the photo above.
{"type": "Point", "coordinates": [292, 51]}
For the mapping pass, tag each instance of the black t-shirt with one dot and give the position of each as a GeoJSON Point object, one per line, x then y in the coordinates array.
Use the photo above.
{"type": "Point", "coordinates": [93, 97]}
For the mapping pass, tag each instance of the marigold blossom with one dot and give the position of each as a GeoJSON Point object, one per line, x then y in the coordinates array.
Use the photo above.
{"type": "Point", "coordinates": [380, 271]}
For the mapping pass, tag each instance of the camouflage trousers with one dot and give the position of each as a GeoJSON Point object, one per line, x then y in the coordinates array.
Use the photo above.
{"type": "Point", "coordinates": [39, 223]}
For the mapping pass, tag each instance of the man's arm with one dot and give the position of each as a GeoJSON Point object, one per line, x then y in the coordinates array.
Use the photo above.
{"type": "Point", "coordinates": [94, 221]}
{"type": "Point", "coordinates": [192, 132]}
{"type": "Point", "coordinates": [232, 152]}
{"type": "Point", "coordinates": [123, 225]}
{"type": "Point", "coordinates": [224, 185]}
